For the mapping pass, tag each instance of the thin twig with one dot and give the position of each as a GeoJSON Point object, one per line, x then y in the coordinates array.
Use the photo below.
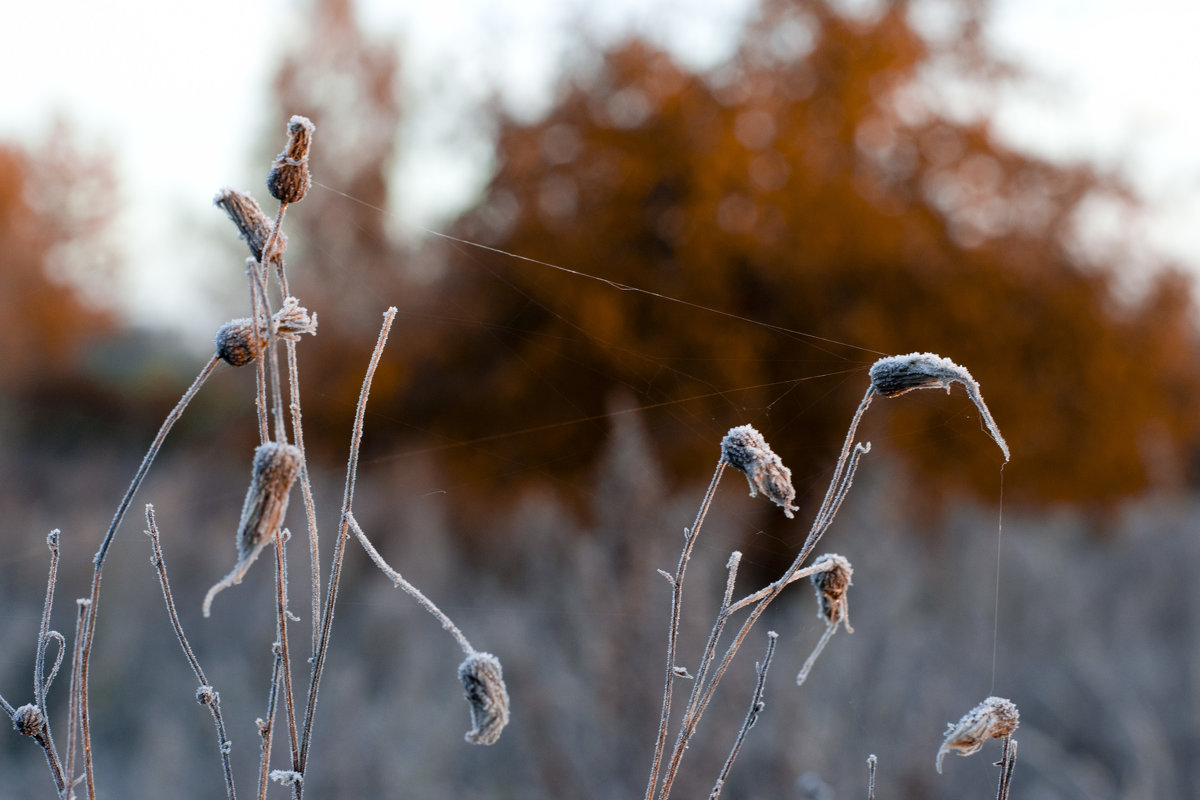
{"type": "Point", "coordinates": [398, 580]}
{"type": "Point", "coordinates": [310, 510]}
{"type": "Point", "coordinates": [673, 630]}
{"type": "Point", "coordinates": [267, 726]}
{"type": "Point", "coordinates": [1007, 762]}
{"type": "Point", "coordinates": [756, 707]}
{"type": "Point", "coordinates": [872, 763]}
{"type": "Point", "coordinates": [40, 684]}
{"type": "Point", "coordinates": [281, 609]}
{"type": "Point", "coordinates": [802, 676]}
{"type": "Point", "coordinates": [82, 610]}
{"type": "Point", "coordinates": [98, 560]}
{"type": "Point", "coordinates": [205, 694]}
{"type": "Point", "coordinates": [318, 662]}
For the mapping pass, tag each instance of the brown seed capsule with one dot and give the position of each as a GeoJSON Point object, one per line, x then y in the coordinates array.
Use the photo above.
{"type": "Point", "coordinates": [28, 721]}
{"type": "Point", "coordinates": [994, 718]}
{"type": "Point", "coordinates": [253, 224]}
{"type": "Point", "coordinates": [831, 585]}
{"type": "Point", "coordinates": [744, 449]}
{"type": "Point", "coordinates": [236, 343]}
{"type": "Point", "coordinates": [289, 179]}
{"type": "Point", "coordinates": [483, 681]}
{"type": "Point", "coordinates": [276, 467]}
{"type": "Point", "coordinates": [896, 375]}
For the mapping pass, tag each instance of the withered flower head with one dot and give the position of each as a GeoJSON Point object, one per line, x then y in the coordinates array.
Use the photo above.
{"type": "Point", "coordinates": [994, 718]}
{"type": "Point", "coordinates": [483, 682]}
{"type": "Point", "coordinates": [28, 721]}
{"type": "Point", "coordinates": [289, 179]}
{"type": "Point", "coordinates": [896, 375]}
{"type": "Point", "coordinates": [831, 585]}
{"type": "Point", "coordinates": [236, 343]}
{"type": "Point", "coordinates": [276, 467]}
{"type": "Point", "coordinates": [253, 224]}
{"type": "Point", "coordinates": [744, 449]}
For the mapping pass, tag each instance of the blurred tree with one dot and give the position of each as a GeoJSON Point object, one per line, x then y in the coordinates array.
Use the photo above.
{"type": "Point", "coordinates": [55, 209]}
{"type": "Point", "coordinates": [813, 184]}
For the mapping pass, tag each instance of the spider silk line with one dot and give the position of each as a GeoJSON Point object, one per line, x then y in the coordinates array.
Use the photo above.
{"type": "Point", "coordinates": [623, 287]}
{"type": "Point", "coordinates": [996, 599]}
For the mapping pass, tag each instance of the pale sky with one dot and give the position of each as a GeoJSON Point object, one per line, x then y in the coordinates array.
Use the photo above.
{"type": "Point", "coordinates": [173, 91]}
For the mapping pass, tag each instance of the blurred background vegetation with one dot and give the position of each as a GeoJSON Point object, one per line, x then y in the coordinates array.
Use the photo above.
{"type": "Point", "coordinates": [693, 250]}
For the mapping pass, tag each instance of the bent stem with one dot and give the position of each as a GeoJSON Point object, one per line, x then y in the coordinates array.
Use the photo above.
{"type": "Point", "coordinates": [98, 560]}
{"type": "Point", "coordinates": [318, 662]}
{"type": "Point", "coordinates": [416, 594]}
{"type": "Point", "coordinates": [206, 695]}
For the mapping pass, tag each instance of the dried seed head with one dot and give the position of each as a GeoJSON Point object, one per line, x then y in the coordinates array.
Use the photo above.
{"type": "Point", "coordinates": [895, 375]}
{"type": "Point", "coordinates": [276, 467]}
{"type": "Point", "coordinates": [831, 585]}
{"type": "Point", "coordinates": [744, 449]}
{"type": "Point", "coordinates": [994, 718]}
{"type": "Point", "coordinates": [236, 343]}
{"type": "Point", "coordinates": [289, 179]}
{"type": "Point", "coordinates": [253, 224]}
{"type": "Point", "coordinates": [206, 695]}
{"type": "Point", "coordinates": [293, 320]}
{"type": "Point", "coordinates": [483, 682]}
{"type": "Point", "coordinates": [28, 721]}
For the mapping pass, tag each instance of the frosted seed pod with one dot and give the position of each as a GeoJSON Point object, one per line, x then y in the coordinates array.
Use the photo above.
{"type": "Point", "coordinates": [744, 449]}
{"type": "Point", "coordinates": [276, 467]}
{"type": "Point", "coordinates": [289, 179]}
{"type": "Point", "coordinates": [28, 721]}
{"type": "Point", "coordinates": [831, 585]}
{"type": "Point", "coordinates": [896, 375]}
{"type": "Point", "coordinates": [994, 718]}
{"type": "Point", "coordinates": [483, 682]}
{"type": "Point", "coordinates": [236, 343]}
{"type": "Point", "coordinates": [253, 224]}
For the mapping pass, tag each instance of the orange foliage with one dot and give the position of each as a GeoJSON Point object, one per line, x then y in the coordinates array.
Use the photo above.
{"type": "Point", "coordinates": [806, 187]}
{"type": "Point", "coordinates": [53, 206]}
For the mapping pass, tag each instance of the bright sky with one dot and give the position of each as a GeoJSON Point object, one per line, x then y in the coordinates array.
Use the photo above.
{"type": "Point", "coordinates": [173, 91]}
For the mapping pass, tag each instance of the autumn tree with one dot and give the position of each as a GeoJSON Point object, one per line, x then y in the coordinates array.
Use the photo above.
{"type": "Point", "coordinates": [739, 245]}
{"type": "Point", "coordinates": [55, 208]}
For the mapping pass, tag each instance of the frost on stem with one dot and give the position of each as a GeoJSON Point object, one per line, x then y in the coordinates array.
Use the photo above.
{"type": "Point", "coordinates": [276, 466]}
{"type": "Point", "coordinates": [744, 449]}
{"type": "Point", "coordinates": [994, 718]}
{"type": "Point", "coordinates": [289, 179]}
{"type": "Point", "coordinates": [831, 584]}
{"type": "Point", "coordinates": [253, 224]}
{"type": "Point", "coordinates": [895, 375]}
{"type": "Point", "coordinates": [483, 682]}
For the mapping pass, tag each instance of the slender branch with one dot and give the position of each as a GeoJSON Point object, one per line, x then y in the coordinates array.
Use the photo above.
{"type": "Point", "coordinates": [1007, 762]}
{"type": "Point", "coordinates": [318, 662]}
{"type": "Point", "coordinates": [310, 511]}
{"type": "Point", "coordinates": [412, 591]}
{"type": "Point", "coordinates": [266, 727]}
{"type": "Point", "coordinates": [206, 695]}
{"type": "Point", "coordinates": [8, 707]}
{"type": "Point", "coordinates": [872, 763]}
{"type": "Point", "coordinates": [82, 610]}
{"type": "Point", "coordinates": [756, 707]}
{"type": "Point", "coordinates": [281, 608]}
{"type": "Point", "coordinates": [802, 676]}
{"type": "Point", "coordinates": [135, 484]}
{"type": "Point", "coordinates": [673, 630]}
{"type": "Point", "coordinates": [40, 684]}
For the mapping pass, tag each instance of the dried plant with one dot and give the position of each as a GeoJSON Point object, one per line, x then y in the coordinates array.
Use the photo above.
{"type": "Point", "coordinates": [279, 463]}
